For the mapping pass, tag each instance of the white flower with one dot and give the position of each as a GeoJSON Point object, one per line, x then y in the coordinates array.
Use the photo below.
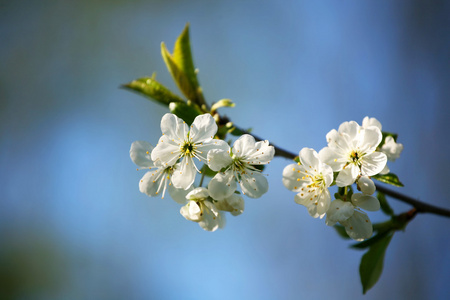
{"type": "Point", "coordinates": [356, 222]}
{"type": "Point", "coordinates": [351, 150]}
{"type": "Point", "coordinates": [239, 164]}
{"type": "Point", "coordinates": [199, 209]}
{"type": "Point", "coordinates": [154, 182]}
{"type": "Point", "coordinates": [178, 141]}
{"type": "Point", "coordinates": [310, 179]}
{"type": "Point", "coordinates": [391, 148]}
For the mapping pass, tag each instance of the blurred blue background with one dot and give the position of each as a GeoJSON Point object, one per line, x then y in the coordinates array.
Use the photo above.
{"type": "Point", "coordinates": [73, 224]}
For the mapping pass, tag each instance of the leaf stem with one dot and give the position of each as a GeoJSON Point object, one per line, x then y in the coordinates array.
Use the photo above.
{"type": "Point", "coordinates": [201, 179]}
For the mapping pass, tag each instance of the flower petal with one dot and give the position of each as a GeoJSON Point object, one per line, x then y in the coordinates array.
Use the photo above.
{"type": "Point", "coordinates": [323, 202]}
{"type": "Point", "coordinates": [184, 176]}
{"type": "Point", "coordinates": [391, 148]}
{"type": "Point", "coordinates": [237, 203]}
{"type": "Point", "coordinates": [261, 154]}
{"type": "Point", "coordinates": [331, 158]}
{"type": "Point", "coordinates": [332, 135]}
{"type": "Point", "coordinates": [218, 159]}
{"type": "Point", "coordinates": [347, 176]}
{"type": "Point", "coordinates": [350, 128]}
{"type": "Point", "coordinates": [179, 195]}
{"type": "Point", "coordinates": [385, 170]}
{"type": "Point", "coordinates": [166, 151]}
{"type": "Point", "coordinates": [371, 139]}
{"type": "Point", "coordinates": [234, 204]}
{"type": "Point", "coordinates": [309, 200]}
{"type": "Point", "coordinates": [173, 127]}
{"type": "Point", "coordinates": [254, 186]}
{"type": "Point", "coordinates": [292, 177]}
{"type": "Point", "coordinates": [309, 158]}
{"type": "Point", "coordinates": [373, 163]}
{"type": "Point", "coordinates": [198, 194]}
{"type": "Point", "coordinates": [140, 154]}
{"type": "Point", "coordinates": [211, 218]}
{"type": "Point", "coordinates": [244, 145]}
{"type": "Point", "coordinates": [366, 202]}
{"type": "Point", "coordinates": [327, 173]}
{"type": "Point", "coordinates": [191, 211]}
{"type": "Point", "coordinates": [206, 146]}
{"type": "Point", "coordinates": [366, 185]}
{"type": "Point", "coordinates": [367, 122]}
{"type": "Point", "coordinates": [339, 211]}
{"type": "Point", "coordinates": [222, 185]}
{"type": "Point", "coordinates": [358, 226]}
{"type": "Point", "coordinates": [305, 198]}
{"type": "Point", "coordinates": [203, 128]}
{"type": "Point", "coordinates": [150, 182]}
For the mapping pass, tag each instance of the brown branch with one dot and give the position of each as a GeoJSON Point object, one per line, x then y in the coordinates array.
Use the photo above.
{"type": "Point", "coordinates": [420, 206]}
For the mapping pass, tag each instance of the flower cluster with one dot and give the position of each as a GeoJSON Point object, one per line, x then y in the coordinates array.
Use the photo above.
{"type": "Point", "coordinates": [354, 154]}
{"type": "Point", "coordinates": [173, 166]}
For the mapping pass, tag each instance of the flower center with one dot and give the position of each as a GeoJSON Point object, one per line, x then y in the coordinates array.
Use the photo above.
{"type": "Point", "coordinates": [355, 156]}
{"type": "Point", "coordinates": [238, 165]}
{"type": "Point", "coordinates": [187, 148]}
{"type": "Point", "coordinates": [318, 181]}
{"type": "Point", "coordinates": [241, 168]}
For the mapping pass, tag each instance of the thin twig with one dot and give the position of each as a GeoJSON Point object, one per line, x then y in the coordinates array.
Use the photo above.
{"type": "Point", "coordinates": [420, 206]}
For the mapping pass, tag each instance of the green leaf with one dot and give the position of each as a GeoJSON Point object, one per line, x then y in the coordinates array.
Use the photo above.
{"type": "Point", "coordinates": [181, 67]}
{"type": "Point", "coordinates": [185, 111]}
{"type": "Point", "coordinates": [385, 207]}
{"type": "Point", "coordinates": [372, 261]}
{"type": "Point", "coordinates": [369, 242]}
{"type": "Point", "coordinates": [389, 178]}
{"type": "Point", "coordinates": [341, 231]}
{"type": "Point", "coordinates": [183, 57]}
{"type": "Point", "coordinates": [151, 88]}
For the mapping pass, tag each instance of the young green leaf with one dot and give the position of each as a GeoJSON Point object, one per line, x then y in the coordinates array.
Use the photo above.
{"type": "Point", "coordinates": [389, 178]}
{"type": "Point", "coordinates": [178, 75]}
{"type": "Point", "coordinates": [181, 66]}
{"type": "Point", "coordinates": [372, 261]}
{"type": "Point", "coordinates": [182, 56]}
{"type": "Point", "coordinates": [152, 89]}
{"type": "Point", "coordinates": [385, 207]}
